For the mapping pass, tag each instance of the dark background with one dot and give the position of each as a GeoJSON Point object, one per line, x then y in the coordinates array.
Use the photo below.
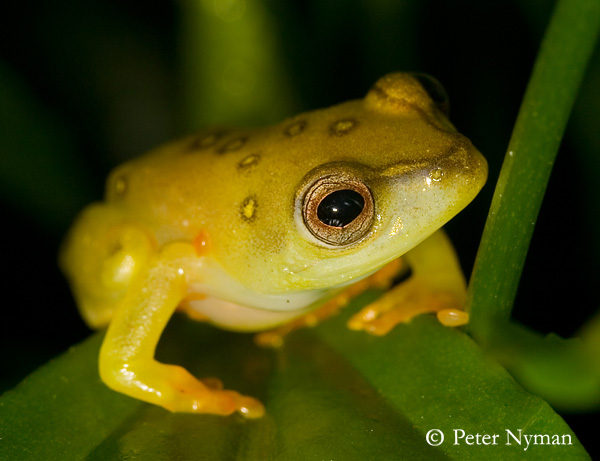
{"type": "Point", "coordinates": [87, 85]}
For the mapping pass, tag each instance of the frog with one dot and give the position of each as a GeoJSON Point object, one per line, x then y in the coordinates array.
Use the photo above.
{"type": "Point", "coordinates": [272, 229]}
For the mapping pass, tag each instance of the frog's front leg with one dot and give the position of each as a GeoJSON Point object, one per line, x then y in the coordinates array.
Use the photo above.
{"type": "Point", "coordinates": [127, 361]}
{"type": "Point", "coordinates": [436, 285]}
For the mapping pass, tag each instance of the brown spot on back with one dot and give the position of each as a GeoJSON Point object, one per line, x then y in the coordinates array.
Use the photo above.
{"type": "Point", "coordinates": [342, 127]}
{"type": "Point", "coordinates": [295, 128]}
{"type": "Point", "coordinates": [207, 140]}
{"type": "Point", "coordinates": [248, 162]}
{"type": "Point", "coordinates": [248, 208]}
{"type": "Point", "coordinates": [233, 145]}
{"type": "Point", "coordinates": [120, 186]}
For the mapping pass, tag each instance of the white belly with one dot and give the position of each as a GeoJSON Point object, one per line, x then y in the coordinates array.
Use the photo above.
{"type": "Point", "coordinates": [236, 317]}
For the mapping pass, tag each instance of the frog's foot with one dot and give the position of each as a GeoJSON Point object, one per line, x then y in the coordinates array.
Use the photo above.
{"type": "Point", "coordinates": [175, 389]}
{"type": "Point", "coordinates": [189, 395]}
{"type": "Point", "coordinates": [406, 301]}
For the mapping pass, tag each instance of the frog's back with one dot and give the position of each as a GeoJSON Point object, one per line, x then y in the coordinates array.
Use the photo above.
{"type": "Point", "coordinates": [225, 178]}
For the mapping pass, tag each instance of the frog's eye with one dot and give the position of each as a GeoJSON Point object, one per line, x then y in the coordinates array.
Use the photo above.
{"type": "Point", "coordinates": [435, 90]}
{"type": "Point", "coordinates": [338, 211]}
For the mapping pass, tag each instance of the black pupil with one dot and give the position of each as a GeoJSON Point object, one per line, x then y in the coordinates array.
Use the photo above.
{"type": "Point", "coordinates": [340, 208]}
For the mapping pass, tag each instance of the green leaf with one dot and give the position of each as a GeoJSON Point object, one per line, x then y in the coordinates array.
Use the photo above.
{"type": "Point", "coordinates": [329, 392]}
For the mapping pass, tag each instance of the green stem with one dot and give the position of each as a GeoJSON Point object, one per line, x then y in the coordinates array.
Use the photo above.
{"type": "Point", "coordinates": [557, 74]}
{"type": "Point", "coordinates": [233, 73]}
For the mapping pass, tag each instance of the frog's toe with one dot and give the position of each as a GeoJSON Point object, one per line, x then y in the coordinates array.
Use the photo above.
{"type": "Point", "coordinates": [249, 407]}
{"type": "Point", "coordinates": [272, 339]}
{"type": "Point", "coordinates": [378, 323]}
{"type": "Point", "coordinates": [212, 402]}
{"type": "Point", "coordinates": [224, 402]}
{"type": "Point", "coordinates": [212, 383]}
{"type": "Point", "coordinates": [453, 317]}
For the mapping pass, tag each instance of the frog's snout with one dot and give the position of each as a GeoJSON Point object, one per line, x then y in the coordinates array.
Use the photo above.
{"type": "Point", "coordinates": [469, 166]}
{"type": "Point", "coordinates": [460, 174]}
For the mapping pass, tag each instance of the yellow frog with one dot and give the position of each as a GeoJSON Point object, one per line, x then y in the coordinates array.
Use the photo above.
{"type": "Point", "coordinates": [275, 228]}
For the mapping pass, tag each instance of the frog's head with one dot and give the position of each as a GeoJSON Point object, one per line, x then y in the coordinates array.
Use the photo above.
{"type": "Point", "coordinates": [387, 172]}
{"type": "Point", "coordinates": [100, 256]}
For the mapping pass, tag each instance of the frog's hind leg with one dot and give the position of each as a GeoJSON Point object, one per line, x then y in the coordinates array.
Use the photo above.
{"type": "Point", "coordinates": [437, 285]}
{"type": "Point", "coordinates": [381, 279]}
